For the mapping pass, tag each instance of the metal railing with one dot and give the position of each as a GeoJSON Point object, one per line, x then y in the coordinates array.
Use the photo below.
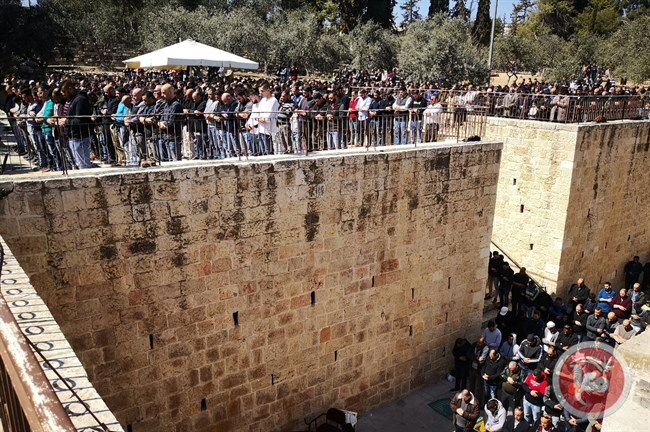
{"type": "Point", "coordinates": [28, 403]}
{"type": "Point", "coordinates": [35, 396]}
{"type": "Point", "coordinates": [543, 106]}
{"type": "Point", "coordinates": [64, 143]}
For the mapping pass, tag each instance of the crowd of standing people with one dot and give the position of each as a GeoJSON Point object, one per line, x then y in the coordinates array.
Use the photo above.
{"type": "Point", "coordinates": [506, 374]}
{"type": "Point", "coordinates": [143, 118]}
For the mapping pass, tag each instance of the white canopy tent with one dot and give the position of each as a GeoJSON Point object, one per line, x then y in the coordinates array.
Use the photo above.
{"type": "Point", "coordinates": [190, 53]}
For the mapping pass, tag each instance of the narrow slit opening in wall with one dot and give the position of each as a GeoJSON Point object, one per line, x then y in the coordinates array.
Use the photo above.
{"type": "Point", "coordinates": [514, 182]}
{"type": "Point", "coordinates": [605, 245]}
{"type": "Point", "coordinates": [129, 428]}
{"type": "Point", "coordinates": [151, 341]}
{"type": "Point", "coordinates": [372, 282]}
{"type": "Point", "coordinates": [336, 355]}
{"type": "Point", "coordinates": [449, 283]}
{"type": "Point", "coordinates": [204, 405]}
{"type": "Point", "coordinates": [235, 318]}
{"type": "Point", "coordinates": [446, 316]}
{"type": "Point", "coordinates": [444, 351]}
{"type": "Point", "coordinates": [531, 246]}
{"type": "Point", "coordinates": [273, 379]}
{"type": "Point", "coordinates": [412, 293]}
{"type": "Point", "coordinates": [410, 330]}
{"type": "Point", "coordinates": [313, 298]}
{"type": "Point", "coordinates": [629, 236]}
{"type": "Point", "coordinates": [583, 254]}
{"type": "Point", "coordinates": [615, 273]}
{"type": "Point", "coordinates": [521, 208]}
{"type": "Point", "coordinates": [600, 280]}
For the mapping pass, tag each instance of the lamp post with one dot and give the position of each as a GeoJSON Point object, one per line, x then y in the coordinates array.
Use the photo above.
{"type": "Point", "coordinates": [494, 21]}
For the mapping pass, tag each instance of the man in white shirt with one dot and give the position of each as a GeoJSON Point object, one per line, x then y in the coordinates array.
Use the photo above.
{"type": "Point", "coordinates": [363, 107]}
{"type": "Point", "coordinates": [267, 121]}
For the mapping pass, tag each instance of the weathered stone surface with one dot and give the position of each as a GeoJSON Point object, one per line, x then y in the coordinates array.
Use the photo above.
{"type": "Point", "coordinates": [349, 279]}
{"type": "Point", "coordinates": [571, 198]}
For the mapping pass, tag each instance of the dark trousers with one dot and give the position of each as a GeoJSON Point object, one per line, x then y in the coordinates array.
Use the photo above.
{"type": "Point", "coordinates": [462, 374]}
{"type": "Point", "coordinates": [108, 142]}
{"type": "Point", "coordinates": [476, 383]}
{"type": "Point", "coordinates": [517, 301]}
{"type": "Point", "coordinates": [504, 293]}
{"type": "Point", "coordinates": [509, 401]}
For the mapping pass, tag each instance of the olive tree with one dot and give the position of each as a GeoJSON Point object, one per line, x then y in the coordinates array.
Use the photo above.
{"type": "Point", "coordinates": [441, 50]}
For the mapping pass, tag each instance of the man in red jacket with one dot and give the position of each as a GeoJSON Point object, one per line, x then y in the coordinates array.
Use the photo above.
{"type": "Point", "coordinates": [535, 387]}
{"type": "Point", "coordinates": [622, 305]}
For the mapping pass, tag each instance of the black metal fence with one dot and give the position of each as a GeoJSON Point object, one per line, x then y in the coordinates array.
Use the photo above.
{"type": "Point", "coordinates": [64, 143]}
{"type": "Point", "coordinates": [543, 106]}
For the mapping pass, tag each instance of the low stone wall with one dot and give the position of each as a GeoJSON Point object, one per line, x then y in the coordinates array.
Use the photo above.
{"type": "Point", "coordinates": [247, 296]}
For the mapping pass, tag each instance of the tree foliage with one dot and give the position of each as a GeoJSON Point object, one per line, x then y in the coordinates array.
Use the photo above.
{"type": "Point", "coordinates": [483, 24]}
{"type": "Point", "coordinates": [628, 50]}
{"type": "Point", "coordinates": [441, 50]}
{"type": "Point", "coordinates": [27, 36]}
{"type": "Point", "coordinates": [372, 47]}
{"type": "Point", "coordinates": [410, 12]}
{"type": "Point", "coordinates": [438, 7]}
{"type": "Point", "coordinates": [461, 11]}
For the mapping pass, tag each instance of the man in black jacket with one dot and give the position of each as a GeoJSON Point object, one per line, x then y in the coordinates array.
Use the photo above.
{"type": "Point", "coordinates": [78, 124]}
{"type": "Point", "coordinates": [170, 125]}
{"type": "Point", "coordinates": [633, 270]}
{"type": "Point", "coordinates": [566, 339]}
{"type": "Point", "coordinates": [492, 374]}
{"type": "Point", "coordinates": [516, 422]}
{"type": "Point", "coordinates": [578, 294]}
{"type": "Point", "coordinates": [595, 325]}
{"type": "Point", "coordinates": [530, 353]}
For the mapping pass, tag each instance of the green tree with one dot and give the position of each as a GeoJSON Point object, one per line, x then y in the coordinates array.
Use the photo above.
{"type": "Point", "coordinates": [411, 12]}
{"type": "Point", "coordinates": [299, 38]}
{"type": "Point", "coordinates": [521, 12]}
{"type": "Point", "coordinates": [483, 24]}
{"type": "Point", "coordinates": [627, 51]}
{"type": "Point", "coordinates": [600, 17]}
{"type": "Point", "coordinates": [441, 49]}
{"type": "Point", "coordinates": [380, 11]}
{"type": "Point", "coordinates": [438, 6]}
{"type": "Point", "coordinates": [372, 47]}
{"type": "Point", "coordinates": [351, 13]}
{"type": "Point", "coordinates": [556, 17]}
{"type": "Point", "coordinates": [460, 11]}
{"type": "Point", "coordinates": [27, 36]}
{"type": "Point", "coordinates": [636, 8]}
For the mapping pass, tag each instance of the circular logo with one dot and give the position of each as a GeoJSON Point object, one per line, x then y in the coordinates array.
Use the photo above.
{"type": "Point", "coordinates": [590, 380]}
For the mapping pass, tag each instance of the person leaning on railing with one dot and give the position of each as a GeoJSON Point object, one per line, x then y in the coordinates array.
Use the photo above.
{"type": "Point", "coordinates": [402, 104]}
{"type": "Point", "coordinates": [170, 126]}
{"type": "Point", "coordinates": [418, 106]}
{"type": "Point", "coordinates": [47, 114]}
{"type": "Point", "coordinates": [146, 126]}
{"type": "Point", "coordinates": [78, 124]}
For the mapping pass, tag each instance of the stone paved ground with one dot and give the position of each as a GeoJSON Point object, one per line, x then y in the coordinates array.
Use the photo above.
{"type": "Point", "coordinates": [411, 414]}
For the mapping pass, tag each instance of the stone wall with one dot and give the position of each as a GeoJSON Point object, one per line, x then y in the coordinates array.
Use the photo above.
{"type": "Point", "coordinates": [248, 296]}
{"type": "Point", "coordinates": [565, 189]}
{"type": "Point", "coordinates": [608, 219]}
{"type": "Point", "coordinates": [533, 192]}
